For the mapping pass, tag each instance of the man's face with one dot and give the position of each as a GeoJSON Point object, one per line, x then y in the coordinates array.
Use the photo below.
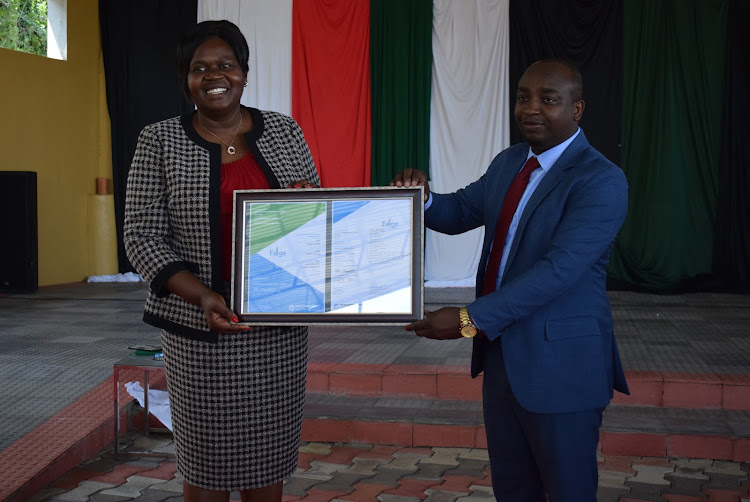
{"type": "Point", "coordinates": [547, 109]}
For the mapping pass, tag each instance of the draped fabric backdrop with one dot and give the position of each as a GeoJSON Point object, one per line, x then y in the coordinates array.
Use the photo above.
{"type": "Point", "coordinates": [331, 87]}
{"type": "Point", "coordinates": [467, 120]}
{"type": "Point", "coordinates": [400, 76]}
{"type": "Point", "coordinates": [675, 53]}
{"type": "Point", "coordinates": [267, 26]}
{"type": "Point", "coordinates": [586, 33]}
{"type": "Point", "coordinates": [732, 249]}
{"type": "Point", "coordinates": [139, 41]}
{"type": "Point", "coordinates": [661, 78]}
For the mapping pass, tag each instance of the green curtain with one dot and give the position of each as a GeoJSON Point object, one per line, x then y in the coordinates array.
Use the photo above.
{"type": "Point", "coordinates": [674, 56]}
{"type": "Point", "coordinates": [400, 73]}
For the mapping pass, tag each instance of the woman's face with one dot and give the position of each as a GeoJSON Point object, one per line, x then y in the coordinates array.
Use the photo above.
{"type": "Point", "coordinates": [215, 78]}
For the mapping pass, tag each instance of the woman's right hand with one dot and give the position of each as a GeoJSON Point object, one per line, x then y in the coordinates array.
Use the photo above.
{"type": "Point", "coordinates": [303, 183]}
{"type": "Point", "coordinates": [218, 315]}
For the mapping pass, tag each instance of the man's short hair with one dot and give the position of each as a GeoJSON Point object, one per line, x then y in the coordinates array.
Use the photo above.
{"type": "Point", "coordinates": [575, 74]}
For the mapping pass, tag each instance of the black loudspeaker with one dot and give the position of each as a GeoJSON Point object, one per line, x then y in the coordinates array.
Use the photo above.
{"type": "Point", "coordinates": [19, 268]}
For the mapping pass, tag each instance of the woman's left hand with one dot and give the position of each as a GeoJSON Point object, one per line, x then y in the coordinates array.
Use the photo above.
{"type": "Point", "coordinates": [303, 183]}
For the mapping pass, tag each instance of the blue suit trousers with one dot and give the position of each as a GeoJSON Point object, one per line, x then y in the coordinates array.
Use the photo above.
{"type": "Point", "coordinates": [535, 456]}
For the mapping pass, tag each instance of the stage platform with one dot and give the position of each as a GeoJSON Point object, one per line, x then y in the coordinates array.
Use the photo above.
{"type": "Point", "coordinates": [687, 359]}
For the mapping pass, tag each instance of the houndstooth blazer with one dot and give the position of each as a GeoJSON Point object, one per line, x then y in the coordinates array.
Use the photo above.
{"type": "Point", "coordinates": [172, 207]}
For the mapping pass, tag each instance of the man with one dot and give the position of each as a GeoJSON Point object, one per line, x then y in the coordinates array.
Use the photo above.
{"type": "Point", "coordinates": [545, 340]}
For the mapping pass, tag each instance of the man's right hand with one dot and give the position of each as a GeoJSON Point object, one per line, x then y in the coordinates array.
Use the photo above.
{"type": "Point", "coordinates": [412, 178]}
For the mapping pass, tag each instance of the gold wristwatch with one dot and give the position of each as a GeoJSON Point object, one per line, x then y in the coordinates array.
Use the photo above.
{"type": "Point", "coordinates": [466, 325]}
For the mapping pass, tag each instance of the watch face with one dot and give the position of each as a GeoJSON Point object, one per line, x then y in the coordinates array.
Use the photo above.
{"type": "Point", "coordinates": [468, 331]}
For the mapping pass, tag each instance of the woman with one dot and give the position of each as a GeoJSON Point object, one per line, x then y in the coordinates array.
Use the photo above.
{"type": "Point", "coordinates": [236, 394]}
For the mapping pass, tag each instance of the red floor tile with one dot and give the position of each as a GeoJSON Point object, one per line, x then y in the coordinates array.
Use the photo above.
{"type": "Point", "coordinates": [71, 480]}
{"type": "Point", "coordinates": [653, 461]}
{"type": "Point", "coordinates": [393, 433]}
{"type": "Point", "coordinates": [360, 368]}
{"type": "Point", "coordinates": [379, 451]}
{"type": "Point", "coordinates": [718, 495]}
{"type": "Point", "coordinates": [321, 366]}
{"type": "Point", "coordinates": [692, 395]}
{"type": "Point", "coordinates": [486, 480]}
{"type": "Point", "coordinates": [331, 431]}
{"type": "Point", "coordinates": [741, 450]}
{"type": "Point", "coordinates": [304, 458]}
{"type": "Point", "coordinates": [317, 382]}
{"type": "Point", "coordinates": [355, 384]}
{"type": "Point", "coordinates": [642, 392]}
{"type": "Point", "coordinates": [364, 492]}
{"type": "Point", "coordinates": [165, 471]}
{"type": "Point", "coordinates": [314, 495]}
{"type": "Point", "coordinates": [120, 474]}
{"type": "Point", "coordinates": [694, 446]}
{"type": "Point", "coordinates": [444, 435]}
{"type": "Point", "coordinates": [618, 463]}
{"type": "Point", "coordinates": [416, 451]}
{"type": "Point", "coordinates": [412, 369]}
{"type": "Point", "coordinates": [341, 455]}
{"type": "Point", "coordinates": [670, 497]}
{"type": "Point", "coordinates": [618, 443]}
{"type": "Point", "coordinates": [736, 392]}
{"type": "Point", "coordinates": [455, 483]}
{"type": "Point", "coordinates": [480, 438]}
{"type": "Point", "coordinates": [411, 488]}
{"type": "Point", "coordinates": [60, 444]}
{"type": "Point", "coordinates": [409, 385]}
{"type": "Point", "coordinates": [459, 387]}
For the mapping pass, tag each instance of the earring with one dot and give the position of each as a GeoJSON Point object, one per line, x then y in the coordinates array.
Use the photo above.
{"type": "Point", "coordinates": [245, 85]}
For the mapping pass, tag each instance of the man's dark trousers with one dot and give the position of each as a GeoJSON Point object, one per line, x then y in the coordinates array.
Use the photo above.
{"type": "Point", "coordinates": [533, 455]}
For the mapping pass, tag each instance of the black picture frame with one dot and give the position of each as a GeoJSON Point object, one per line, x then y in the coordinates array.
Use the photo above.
{"type": "Point", "coordinates": [328, 256]}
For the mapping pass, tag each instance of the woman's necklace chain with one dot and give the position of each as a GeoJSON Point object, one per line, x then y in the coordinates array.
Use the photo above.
{"type": "Point", "coordinates": [230, 149]}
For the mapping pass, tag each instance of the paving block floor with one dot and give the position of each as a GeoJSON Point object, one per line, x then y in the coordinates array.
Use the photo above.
{"type": "Point", "coordinates": [59, 345]}
{"type": "Point", "coordinates": [365, 472]}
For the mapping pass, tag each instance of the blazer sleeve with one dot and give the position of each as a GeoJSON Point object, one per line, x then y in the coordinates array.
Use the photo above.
{"type": "Point", "coordinates": [457, 212]}
{"type": "Point", "coordinates": [304, 157]}
{"type": "Point", "coordinates": [146, 232]}
{"type": "Point", "coordinates": [592, 215]}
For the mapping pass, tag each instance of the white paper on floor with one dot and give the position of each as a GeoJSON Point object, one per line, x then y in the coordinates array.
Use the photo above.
{"type": "Point", "coordinates": [158, 402]}
{"type": "Point", "coordinates": [126, 277]}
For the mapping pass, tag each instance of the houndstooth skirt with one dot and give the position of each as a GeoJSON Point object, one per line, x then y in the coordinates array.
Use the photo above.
{"type": "Point", "coordinates": [237, 406]}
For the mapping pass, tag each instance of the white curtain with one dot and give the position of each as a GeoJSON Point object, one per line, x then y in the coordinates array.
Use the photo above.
{"type": "Point", "coordinates": [468, 119]}
{"type": "Point", "coordinates": [267, 26]}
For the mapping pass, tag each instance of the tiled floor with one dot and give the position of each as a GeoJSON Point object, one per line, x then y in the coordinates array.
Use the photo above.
{"type": "Point", "coordinates": [365, 472]}
{"type": "Point", "coordinates": [57, 347]}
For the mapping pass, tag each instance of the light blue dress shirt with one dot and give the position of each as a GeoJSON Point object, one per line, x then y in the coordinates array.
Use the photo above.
{"type": "Point", "coordinates": [546, 160]}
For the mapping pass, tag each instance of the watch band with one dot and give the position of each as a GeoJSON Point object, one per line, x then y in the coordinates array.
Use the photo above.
{"type": "Point", "coordinates": [466, 325]}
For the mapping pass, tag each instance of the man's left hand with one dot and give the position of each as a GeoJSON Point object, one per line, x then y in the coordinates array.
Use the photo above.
{"type": "Point", "coordinates": [443, 324]}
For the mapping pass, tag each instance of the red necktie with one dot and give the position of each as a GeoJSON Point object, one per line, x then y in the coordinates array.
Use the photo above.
{"type": "Point", "coordinates": [510, 204]}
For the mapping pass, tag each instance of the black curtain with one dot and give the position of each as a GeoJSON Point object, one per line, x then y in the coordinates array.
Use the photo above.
{"type": "Point", "coordinates": [139, 40]}
{"type": "Point", "coordinates": [731, 262]}
{"type": "Point", "coordinates": [587, 33]}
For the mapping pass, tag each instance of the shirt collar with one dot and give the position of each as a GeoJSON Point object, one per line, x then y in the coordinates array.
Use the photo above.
{"type": "Point", "coordinates": [548, 158]}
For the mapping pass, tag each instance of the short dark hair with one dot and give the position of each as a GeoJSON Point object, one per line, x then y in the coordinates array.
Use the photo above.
{"type": "Point", "coordinates": [577, 79]}
{"type": "Point", "coordinates": [225, 30]}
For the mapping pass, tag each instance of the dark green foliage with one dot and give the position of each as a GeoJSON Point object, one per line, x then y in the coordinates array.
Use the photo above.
{"type": "Point", "coordinates": [23, 25]}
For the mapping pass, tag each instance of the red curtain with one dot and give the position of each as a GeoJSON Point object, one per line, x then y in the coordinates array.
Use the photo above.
{"type": "Point", "coordinates": [331, 86]}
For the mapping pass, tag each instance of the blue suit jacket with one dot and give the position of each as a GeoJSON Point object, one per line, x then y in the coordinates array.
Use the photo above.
{"type": "Point", "coordinates": [551, 312]}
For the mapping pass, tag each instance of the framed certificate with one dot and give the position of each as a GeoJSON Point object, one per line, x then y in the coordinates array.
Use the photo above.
{"type": "Point", "coordinates": [328, 256]}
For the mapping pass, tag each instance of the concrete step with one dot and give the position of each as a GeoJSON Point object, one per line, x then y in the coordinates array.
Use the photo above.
{"type": "Point", "coordinates": [653, 388]}
{"type": "Point", "coordinates": [634, 430]}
